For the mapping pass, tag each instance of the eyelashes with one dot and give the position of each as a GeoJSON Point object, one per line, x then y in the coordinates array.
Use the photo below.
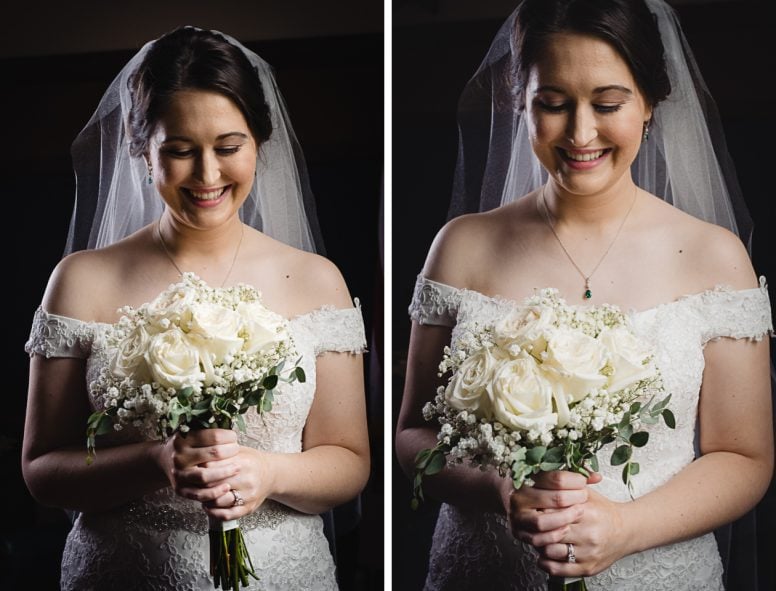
{"type": "Point", "coordinates": [224, 151]}
{"type": "Point", "coordinates": [564, 107]}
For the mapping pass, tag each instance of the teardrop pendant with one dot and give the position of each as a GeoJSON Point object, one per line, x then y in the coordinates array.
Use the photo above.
{"type": "Point", "coordinates": [588, 294]}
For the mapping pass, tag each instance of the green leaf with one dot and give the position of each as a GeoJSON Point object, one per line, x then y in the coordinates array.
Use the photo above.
{"type": "Point", "coordinates": [594, 463]}
{"type": "Point", "coordinates": [554, 455]}
{"type": "Point", "coordinates": [422, 457]}
{"type": "Point", "coordinates": [661, 405]}
{"type": "Point", "coordinates": [626, 419]}
{"type": "Point", "coordinates": [185, 393]}
{"type": "Point", "coordinates": [549, 467]}
{"type": "Point", "coordinates": [634, 468]}
{"type": "Point", "coordinates": [649, 420]}
{"type": "Point", "coordinates": [435, 464]}
{"type": "Point", "coordinates": [269, 382]}
{"type": "Point", "coordinates": [669, 418]}
{"type": "Point", "coordinates": [414, 503]}
{"type": "Point", "coordinates": [635, 408]}
{"type": "Point", "coordinates": [266, 404]}
{"type": "Point", "coordinates": [535, 455]}
{"type": "Point", "coordinates": [300, 375]}
{"type": "Point", "coordinates": [626, 432]}
{"type": "Point", "coordinates": [621, 455]}
{"type": "Point", "coordinates": [639, 439]}
{"type": "Point", "coordinates": [625, 474]}
{"type": "Point", "coordinates": [241, 423]}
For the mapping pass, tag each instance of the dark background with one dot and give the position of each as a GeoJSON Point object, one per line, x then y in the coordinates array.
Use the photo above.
{"type": "Point", "coordinates": [56, 60]}
{"type": "Point", "coordinates": [437, 46]}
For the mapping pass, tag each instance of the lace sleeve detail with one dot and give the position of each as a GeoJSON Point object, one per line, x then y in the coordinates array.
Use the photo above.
{"type": "Point", "coordinates": [744, 314]}
{"type": "Point", "coordinates": [339, 330]}
{"type": "Point", "coordinates": [434, 303]}
{"type": "Point", "coordinates": [59, 336]}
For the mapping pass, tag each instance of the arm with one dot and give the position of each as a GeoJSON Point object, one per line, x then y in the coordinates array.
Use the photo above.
{"type": "Point", "coordinates": [451, 257]}
{"type": "Point", "coordinates": [54, 451]}
{"type": "Point", "coordinates": [334, 464]}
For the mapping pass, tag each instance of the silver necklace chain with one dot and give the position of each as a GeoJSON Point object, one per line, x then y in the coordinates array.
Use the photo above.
{"type": "Point", "coordinates": [588, 292]}
{"type": "Point", "coordinates": [177, 268]}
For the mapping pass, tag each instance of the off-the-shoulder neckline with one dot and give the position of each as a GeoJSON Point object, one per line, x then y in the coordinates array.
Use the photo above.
{"type": "Point", "coordinates": [719, 289]}
{"type": "Point", "coordinates": [293, 319]}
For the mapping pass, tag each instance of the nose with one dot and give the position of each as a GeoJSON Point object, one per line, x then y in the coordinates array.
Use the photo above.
{"type": "Point", "coordinates": [581, 128]}
{"type": "Point", "coordinates": [207, 170]}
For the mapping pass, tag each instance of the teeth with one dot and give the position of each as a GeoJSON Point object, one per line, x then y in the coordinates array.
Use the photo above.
{"type": "Point", "coordinates": [587, 156]}
{"type": "Point", "coordinates": [208, 195]}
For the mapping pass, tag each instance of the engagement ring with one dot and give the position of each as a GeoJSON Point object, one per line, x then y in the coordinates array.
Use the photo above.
{"type": "Point", "coordinates": [238, 500]}
{"type": "Point", "coordinates": [570, 556]}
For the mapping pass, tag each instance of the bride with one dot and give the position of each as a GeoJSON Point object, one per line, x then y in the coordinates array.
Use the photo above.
{"type": "Point", "coordinates": [600, 93]}
{"type": "Point", "coordinates": [187, 158]}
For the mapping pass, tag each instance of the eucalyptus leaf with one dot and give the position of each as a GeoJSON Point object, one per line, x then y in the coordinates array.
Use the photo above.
{"type": "Point", "coordinates": [634, 468]}
{"type": "Point", "coordinates": [300, 375]}
{"type": "Point", "coordinates": [669, 418]}
{"type": "Point", "coordinates": [635, 407]}
{"type": "Point", "coordinates": [549, 467]}
{"type": "Point", "coordinates": [554, 455]}
{"type": "Point", "coordinates": [270, 382]}
{"type": "Point", "coordinates": [435, 464]}
{"type": "Point", "coordinates": [535, 455]}
{"type": "Point", "coordinates": [594, 463]}
{"type": "Point", "coordinates": [625, 421]}
{"type": "Point", "coordinates": [626, 432]}
{"type": "Point", "coordinates": [639, 439]}
{"type": "Point", "coordinates": [621, 455]}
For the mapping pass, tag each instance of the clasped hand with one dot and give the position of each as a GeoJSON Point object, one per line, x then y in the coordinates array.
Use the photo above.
{"type": "Point", "coordinates": [560, 509]}
{"type": "Point", "coordinates": [207, 465]}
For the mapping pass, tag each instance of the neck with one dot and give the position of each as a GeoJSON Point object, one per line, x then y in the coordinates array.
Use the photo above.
{"type": "Point", "coordinates": [596, 211]}
{"type": "Point", "coordinates": [195, 244]}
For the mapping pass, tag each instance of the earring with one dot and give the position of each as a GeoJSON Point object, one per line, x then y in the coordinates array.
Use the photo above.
{"type": "Point", "coordinates": [150, 172]}
{"type": "Point", "coordinates": [645, 134]}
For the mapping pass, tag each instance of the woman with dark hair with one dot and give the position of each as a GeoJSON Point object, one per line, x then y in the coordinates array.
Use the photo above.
{"type": "Point", "coordinates": [190, 165]}
{"type": "Point", "coordinates": [605, 179]}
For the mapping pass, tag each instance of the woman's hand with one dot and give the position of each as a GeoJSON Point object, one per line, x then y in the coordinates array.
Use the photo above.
{"type": "Point", "coordinates": [205, 465]}
{"type": "Point", "coordinates": [559, 510]}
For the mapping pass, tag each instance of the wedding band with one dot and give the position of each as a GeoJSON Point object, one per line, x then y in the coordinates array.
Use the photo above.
{"type": "Point", "coordinates": [238, 500]}
{"type": "Point", "coordinates": [570, 556]}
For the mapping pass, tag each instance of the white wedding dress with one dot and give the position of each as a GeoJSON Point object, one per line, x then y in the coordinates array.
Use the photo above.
{"type": "Point", "coordinates": [475, 550]}
{"type": "Point", "coordinates": [160, 542]}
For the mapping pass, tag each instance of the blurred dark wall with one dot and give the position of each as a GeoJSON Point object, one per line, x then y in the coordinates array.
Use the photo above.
{"type": "Point", "coordinates": [733, 44]}
{"type": "Point", "coordinates": [333, 86]}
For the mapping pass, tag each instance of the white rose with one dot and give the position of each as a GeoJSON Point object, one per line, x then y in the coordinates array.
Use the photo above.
{"type": "Point", "coordinates": [214, 330]}
{"type": "Point", "coordinates": [469, 388]}
{"type": "Point", "coordinates": [526, 328]}
{"type": "Point", "coordinates": [628, 357]}
{"type": "Point", "coordinates": [129, 361]}
{"type": "Point", "coordinates": [522, 396]}
{"type": "Point", "coordinates": [173, 360]}
{"type": "Point", "coordinates": [262, 328]}
{"type": "Point", "coordinates": [171, 306]}
{"type": "Point", "coordinates": [577, 359]}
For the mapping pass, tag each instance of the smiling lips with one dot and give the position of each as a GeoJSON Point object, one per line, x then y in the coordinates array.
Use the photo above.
{"type": "Point", "coordinates": [207, 198]}
{"type": "Point", "coordinates": [583, 159]}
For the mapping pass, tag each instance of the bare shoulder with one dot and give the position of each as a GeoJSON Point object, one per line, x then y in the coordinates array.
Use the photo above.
{"type": "Point", "coordinates": [711, 255]}
{"type": "Point", "coordinates": [466, 243]}
{"type": "Point", "coordinates": [73, 288]}
{"type": "Point", "coordinates": [297, 281]}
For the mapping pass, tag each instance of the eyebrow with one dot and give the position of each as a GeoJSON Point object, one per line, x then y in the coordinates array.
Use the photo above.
{"type": "Point", "coordinates": [181, 138]}
{"type": "Point", "coordinates": [598, 90]}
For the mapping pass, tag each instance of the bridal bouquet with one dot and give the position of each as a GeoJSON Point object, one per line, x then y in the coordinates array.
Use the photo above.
{"type": "Point", "coordinates": [196, 357]}
{"type": "Point", "coordinates": [544, 389]}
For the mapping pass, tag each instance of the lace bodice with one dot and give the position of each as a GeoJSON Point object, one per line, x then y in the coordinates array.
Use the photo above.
{"type": "Point", "coordinates": [469, 545]}
{"type": "Point", "coordinates": [163, 534]}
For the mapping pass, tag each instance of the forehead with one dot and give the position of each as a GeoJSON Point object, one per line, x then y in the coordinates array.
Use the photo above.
{"type": "Point", "coordinates": [200, 113]}
{"type": "Point", "coordinates": [574, 59]}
